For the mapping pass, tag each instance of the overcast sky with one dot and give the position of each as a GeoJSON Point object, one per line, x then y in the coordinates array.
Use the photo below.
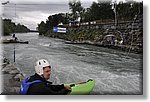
{"type": "Point", "coordinates": [32, 12]}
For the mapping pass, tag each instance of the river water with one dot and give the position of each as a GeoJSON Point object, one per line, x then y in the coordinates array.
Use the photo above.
{"type": "Point", "coordinates": [113, 71]}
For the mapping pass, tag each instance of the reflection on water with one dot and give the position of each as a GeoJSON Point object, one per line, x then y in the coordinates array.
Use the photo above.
{"type": "Point", "coordinates": [114, 71]}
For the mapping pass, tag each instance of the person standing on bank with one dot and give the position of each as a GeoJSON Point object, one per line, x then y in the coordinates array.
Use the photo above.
{"type": "Point", "coordinates": [37, 84]}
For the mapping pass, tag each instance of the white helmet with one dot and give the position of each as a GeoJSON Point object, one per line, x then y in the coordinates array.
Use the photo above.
{"type": "Point", "coordinates": [39, 66]}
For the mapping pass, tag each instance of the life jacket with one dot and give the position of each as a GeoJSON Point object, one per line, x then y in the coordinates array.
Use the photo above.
{"type": "Point", "coordinates": [25, 85]}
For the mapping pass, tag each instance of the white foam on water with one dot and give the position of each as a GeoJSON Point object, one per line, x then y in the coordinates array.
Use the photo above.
{"type": "Point", "coordinates": [45, 44]}
{"type": "Point", "coordinates": [68, 67]}
{"type": "Point", "coordinates": [72, 70]}
{"type": "Point", "coordinates": [109, 83]}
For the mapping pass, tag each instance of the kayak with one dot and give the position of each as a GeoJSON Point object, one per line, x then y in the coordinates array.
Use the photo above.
{"type": "Point", "coordinates": [14, 41]}
{"type": "Point", "coordinates": [81, 88]}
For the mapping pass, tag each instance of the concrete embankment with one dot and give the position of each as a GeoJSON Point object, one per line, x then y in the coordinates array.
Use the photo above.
{"type": "Point", "coordinates": [11, 79]}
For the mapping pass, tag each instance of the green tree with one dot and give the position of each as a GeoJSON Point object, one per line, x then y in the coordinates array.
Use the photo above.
{"type": "Point", "coordinates": [41, 28]}
{"type": "Point", "coordinates": [130, 8]}
{"type": "Point", "coordinates": [105, 10]}
{"type": "Point", "coordinates": [87, 16]}
{"type": "Point", "coordinates": [10, 27]}
{"type": "Point", "coordinates": [98, 11]}
{"type": "Point", "coordinates": [76, 9]}
{"type": "Point", "coordinates": [52, 21]}
{"type": "Point", "coordinates": [6, 29]}
{"type": "Point", "coordinates": [21, 28]}
{"type": "Point", "coordinates": [95, 11]}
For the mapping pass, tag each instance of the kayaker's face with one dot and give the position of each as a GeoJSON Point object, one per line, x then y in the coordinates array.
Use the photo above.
{"type": "Point", "coordinates": [46, 72]}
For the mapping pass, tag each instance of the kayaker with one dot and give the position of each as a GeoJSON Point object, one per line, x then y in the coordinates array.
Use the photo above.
{"type": "Point", "coordinates": [14, 37]}
{"type": "Point", "coordinates": [37, 84]}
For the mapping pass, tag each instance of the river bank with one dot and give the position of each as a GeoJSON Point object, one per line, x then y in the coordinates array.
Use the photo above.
{"type": "Point", "coordinates": [126, 48]}
{"type": "Point", "coordinates": [11, 79]}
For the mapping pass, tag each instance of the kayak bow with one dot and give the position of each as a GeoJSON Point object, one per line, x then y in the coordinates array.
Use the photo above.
{"type": "Point", "coordinates": [82, 88]}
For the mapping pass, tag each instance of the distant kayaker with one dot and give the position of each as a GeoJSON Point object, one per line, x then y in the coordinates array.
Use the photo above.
{"type": "Point", "coordinates": [37, 84]}
{"type": "Point", "coordinates": [14, 37]}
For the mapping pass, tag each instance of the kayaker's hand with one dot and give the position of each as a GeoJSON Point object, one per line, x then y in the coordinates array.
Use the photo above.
{"type": "Point", "coordinates": [67, 87]}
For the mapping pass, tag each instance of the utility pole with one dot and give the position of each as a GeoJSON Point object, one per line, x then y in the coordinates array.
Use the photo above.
{"type": "Point", "coordinates": [15, 16]}
{"type": "Point", "coordinates": [114, 6]}
{"type": "Point", "coordinates": [14, 43]}
{"type": "Point", "coordinates": [115, 15]}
